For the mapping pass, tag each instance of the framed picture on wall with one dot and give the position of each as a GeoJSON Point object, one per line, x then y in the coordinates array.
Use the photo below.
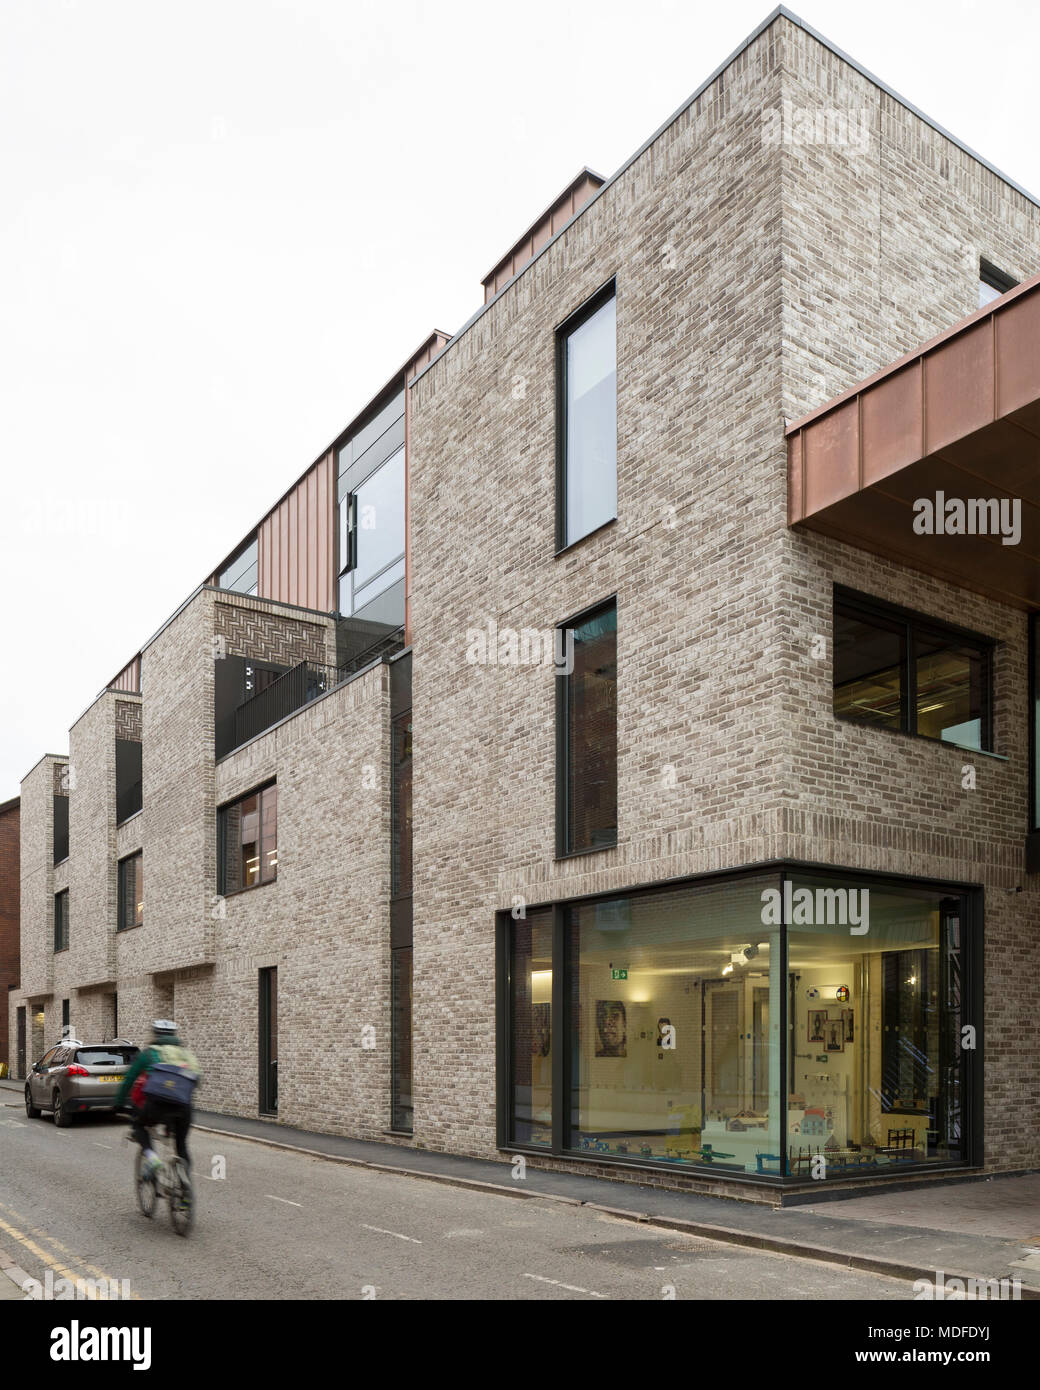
{"type": "Point", "coordinates": [817, 1025]}
{"type": "Point", "coordinates": [611, 1028]}
{"type": "Point", "coordinates": [847, 1021]}
{"type": "Point", "coordinates": [834, 1033]}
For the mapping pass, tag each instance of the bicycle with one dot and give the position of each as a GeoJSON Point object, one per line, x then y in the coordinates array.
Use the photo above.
{"type": "Point", "coordinates": [170, 1181]}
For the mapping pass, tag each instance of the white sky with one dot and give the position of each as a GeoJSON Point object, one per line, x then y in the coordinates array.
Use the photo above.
{"type": "Point", "coordinates": [223, 225]}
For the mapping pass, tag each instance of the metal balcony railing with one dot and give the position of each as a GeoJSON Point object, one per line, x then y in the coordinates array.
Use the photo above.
{"type": "Point", "coordinates": [302, 684]}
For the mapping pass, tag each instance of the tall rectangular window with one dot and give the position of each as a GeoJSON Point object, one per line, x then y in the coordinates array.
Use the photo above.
{"type": "Point", "coordinates": [61, 828]}
{"type": "Point", "coordinates": [586, 358]}
{"type": "Point", "coordinates": [586, 731]}
{"type": "Point", "coordinates": [131, 892]}
{"type": "Point", "coordinates": [530, 1010]}
{"type": "Point", "coordinates": [248, 841]}
{"type": "Point", "coordinates": [903, 671]}
{"type": "Point", "coordinates": [61, 921]}
{"type": "Point", "coordinates": [401, 811]}
{"type": "Point", "coordinates": [372, 538]}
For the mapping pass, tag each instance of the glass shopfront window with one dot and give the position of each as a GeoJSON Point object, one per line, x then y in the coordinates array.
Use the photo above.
{"type": "Point", "coordinates": [531, 1013]}
{"type": "Point", "coordinates": [770, 1025]}
{"type": "Point", "coordinates": [875, 1063]}
{"type": "Point", "coordinates": [674, 1012]}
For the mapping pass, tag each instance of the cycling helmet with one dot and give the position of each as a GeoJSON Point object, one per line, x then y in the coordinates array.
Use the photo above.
{"type": "Point", "coordinates": [164, 1028]}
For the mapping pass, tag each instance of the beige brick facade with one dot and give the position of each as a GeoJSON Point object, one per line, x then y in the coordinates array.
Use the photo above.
{"type": "Point", "coordinates": [756, 279]}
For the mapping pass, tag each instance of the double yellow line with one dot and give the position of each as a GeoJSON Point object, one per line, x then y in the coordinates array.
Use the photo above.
{"type": "Point", "coordinates": [52, 1261]}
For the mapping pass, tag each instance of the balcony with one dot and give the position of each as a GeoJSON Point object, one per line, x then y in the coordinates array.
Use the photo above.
{"type": "Point", "coordinates": [297, 687]}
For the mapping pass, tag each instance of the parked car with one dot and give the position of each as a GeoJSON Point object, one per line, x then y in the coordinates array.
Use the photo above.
{"type": "Point", "coordinates": [77, 1076]}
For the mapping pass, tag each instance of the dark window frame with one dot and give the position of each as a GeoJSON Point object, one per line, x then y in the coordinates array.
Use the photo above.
{"type": "Point", "coordinates": [348, 564]}
{"type": "Point", "coordinates": [574, 321]}
{"type": "Point", "coordinates": [973, 988]}
{"type": "Point", "coordinates": [62, 916]}
{"type": "Point", "coordinates": [122, 924]}
{"type": "Point", "coordinates": [563, 741]}
{"type": "Point", "coordinates": [915, 624]}
{"type": "Point", "coordinates": [996, 279]}
{"type": "Point", "coordinates": [222, 866]}
{"type": "Point", "coordinates": [1033, 715]}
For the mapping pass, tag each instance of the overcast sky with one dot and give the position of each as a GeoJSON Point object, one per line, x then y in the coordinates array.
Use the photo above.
{"type": "Point", "coordinates": [224, 225]}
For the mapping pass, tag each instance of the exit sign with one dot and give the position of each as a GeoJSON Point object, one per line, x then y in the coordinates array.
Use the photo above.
{"type": "Point", "coordinates": [619, 974]}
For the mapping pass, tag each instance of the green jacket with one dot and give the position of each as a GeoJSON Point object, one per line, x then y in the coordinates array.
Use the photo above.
{"type": "Point", "coordinates": [172, 1050]}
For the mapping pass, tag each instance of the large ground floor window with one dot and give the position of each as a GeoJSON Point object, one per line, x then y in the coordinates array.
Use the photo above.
{"type": "Point", "coordinates": [779, 1025]}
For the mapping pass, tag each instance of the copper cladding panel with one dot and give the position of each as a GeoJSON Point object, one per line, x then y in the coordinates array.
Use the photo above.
{"type": "Point", "coordinates": [295, 543]}
{"type": "Point", "coordinates": [962, 417]}
{"type": "Point", "coordinates": [573, 197]}
{"type": "Point", "coordinates": [129, 678]}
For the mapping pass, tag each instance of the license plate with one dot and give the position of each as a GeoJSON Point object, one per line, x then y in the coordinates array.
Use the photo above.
{"type": "Point", "coordinates": [109, 1078]}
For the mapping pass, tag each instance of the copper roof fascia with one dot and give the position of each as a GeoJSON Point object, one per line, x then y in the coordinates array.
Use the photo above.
{"type": "Point", "coordinates": [960, 414]}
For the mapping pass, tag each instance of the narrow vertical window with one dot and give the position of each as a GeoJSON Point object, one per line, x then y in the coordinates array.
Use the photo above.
{"type": "Point", "coordinates": [131, 892]}
{"type": "Point", "coordinates": [587, 734]}
{"type": "Point", "coordinates": [587, 419]}
{"type": "Point", "coordinates": [61, 921]}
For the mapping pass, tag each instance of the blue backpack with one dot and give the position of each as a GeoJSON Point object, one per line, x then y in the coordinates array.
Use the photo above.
{"type": "Point", "coordinates": [169, 1082]}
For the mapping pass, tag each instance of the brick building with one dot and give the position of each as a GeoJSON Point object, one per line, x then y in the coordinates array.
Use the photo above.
{"type": "Point", "coordinates": [716, 864]}
{"type": "Point", "coordinates": [10, 938]}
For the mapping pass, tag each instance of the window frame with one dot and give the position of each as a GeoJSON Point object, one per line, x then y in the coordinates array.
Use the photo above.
{"type": "Point", "coordinates": [571, 324]}
{"type": "Point", "coordinates": [915, 624]}
{"type": "Point", "coordinates": [60, 898]}
{"type": "Point", "coordinates": [347, 507]}
{"type": "Point", "coordinates": [563, 740]}
{"type": "Point", "coordinates": [121, 900]}
{"type": "Point", "coordinates": [222, 865]}
{"type": "Point", "coordinates": [995, 278]}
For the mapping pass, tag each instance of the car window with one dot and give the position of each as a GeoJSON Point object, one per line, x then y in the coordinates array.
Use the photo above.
{"type": "Point", "coordinates": [105, 1056]}
{"type": "Point", "coordinates": [61, 1057]}
{"type": "Point", "coordinates": [47, 1057]}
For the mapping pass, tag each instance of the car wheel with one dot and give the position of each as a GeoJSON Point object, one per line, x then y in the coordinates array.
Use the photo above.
{"type": "Point", "coordinates": [62, 1118]}
{"type": "Point", "coordinates": [33, 1111]}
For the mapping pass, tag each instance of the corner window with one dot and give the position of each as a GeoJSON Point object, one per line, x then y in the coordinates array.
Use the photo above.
{"type": "Point", "coordinates": [992, 283]}
{"type": "Point", "coordinates": [586, 731]}
{"type": "Point", "coordinates": [131, 892]}
{"type": "Point", "coordinates": [61, 921]}
{"type": "Point", "coordinates": [248, 841]}
{"type": "Point", "coordinates": [586, 367]}
{"type": "Point", "coordinates": [903, 671]}
{"type": "Point", "coordinates": [240, 574]}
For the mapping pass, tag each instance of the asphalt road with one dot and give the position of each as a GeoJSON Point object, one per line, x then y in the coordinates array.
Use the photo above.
{"type": "Point", "coordinates": [281, 1225]}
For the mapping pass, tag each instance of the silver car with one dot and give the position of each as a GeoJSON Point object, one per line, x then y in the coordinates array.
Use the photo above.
{"type": "Point", "coordinates": [76, 1076]}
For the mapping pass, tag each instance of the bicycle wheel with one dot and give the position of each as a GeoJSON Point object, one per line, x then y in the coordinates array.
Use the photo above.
{"type": "Point", "coordinates": [147, 1196]}
{"type": "Point", "coordinates": [182, 1199]}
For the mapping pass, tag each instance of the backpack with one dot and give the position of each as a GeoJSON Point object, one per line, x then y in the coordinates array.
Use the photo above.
{"type": "Point", "coordinates": [171, 1083]}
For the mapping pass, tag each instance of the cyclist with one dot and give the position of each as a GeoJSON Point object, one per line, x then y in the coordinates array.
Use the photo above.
{"type": "Point", "coordinates": [158, 1087]}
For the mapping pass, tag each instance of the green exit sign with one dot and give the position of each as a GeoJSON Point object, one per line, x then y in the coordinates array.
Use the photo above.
{"type": "Point", "coordinates": [619, 974]}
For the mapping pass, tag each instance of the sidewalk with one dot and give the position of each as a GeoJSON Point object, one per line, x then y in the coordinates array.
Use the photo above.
{"type": "Point", "coordinates": [984, 1229]}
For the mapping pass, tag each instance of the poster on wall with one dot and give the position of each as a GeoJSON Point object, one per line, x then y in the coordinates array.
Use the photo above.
{"type": "Point", "coordinates": [611, 1028]}
{"type": "Point", "coordinates": [835, 1032]}
{"type": "Point", "coordinates": [541, 1030]}
{"type": "Point", "coordinates": [817, 1023]}
{"type": "Point", "coordinates": [847, 1022]}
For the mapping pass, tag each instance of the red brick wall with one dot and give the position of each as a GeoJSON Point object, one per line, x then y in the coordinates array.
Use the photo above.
{"type": "Point", "coordinates": [9, 915]}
